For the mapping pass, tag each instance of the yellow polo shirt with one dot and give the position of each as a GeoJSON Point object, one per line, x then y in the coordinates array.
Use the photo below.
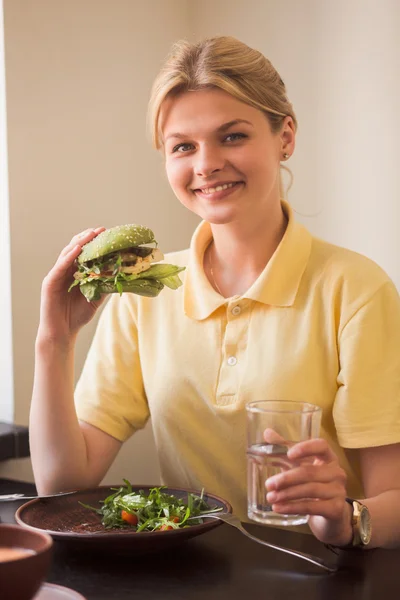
{"type": "Point", "coordinates": [321, 324]}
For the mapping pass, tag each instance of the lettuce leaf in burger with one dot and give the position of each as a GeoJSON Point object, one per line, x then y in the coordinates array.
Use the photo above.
{"type": "Point", "coordinates": [118, 260]}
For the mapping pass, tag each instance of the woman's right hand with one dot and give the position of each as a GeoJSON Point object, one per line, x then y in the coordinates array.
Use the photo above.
{"type": "Point", "coordinates": [63, 313]}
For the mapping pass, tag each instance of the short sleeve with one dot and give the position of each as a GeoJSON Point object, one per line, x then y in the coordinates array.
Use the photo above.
{"type": "Point", "coordinates": [366, 410]}
{"type": "Point", "coordinates": [110, 393]}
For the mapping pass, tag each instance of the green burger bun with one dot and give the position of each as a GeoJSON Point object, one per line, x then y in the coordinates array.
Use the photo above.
{"type": "Point", "coordinates": [114, 239]}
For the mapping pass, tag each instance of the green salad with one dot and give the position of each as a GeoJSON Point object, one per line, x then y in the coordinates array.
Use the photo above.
{"type": "Point", "coordinates": [151, 511]}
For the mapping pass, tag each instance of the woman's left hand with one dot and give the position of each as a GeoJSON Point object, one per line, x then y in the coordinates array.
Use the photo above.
{"type": "Point", "coordinates": [315, 487]}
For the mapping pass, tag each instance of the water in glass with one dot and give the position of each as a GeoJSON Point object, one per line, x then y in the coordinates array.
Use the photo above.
{"type": "Point", "coordinates": [264, 461]}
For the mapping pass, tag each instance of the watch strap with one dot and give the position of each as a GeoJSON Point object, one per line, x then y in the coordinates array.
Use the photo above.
{"type": "Point", "coordinates": [355, 542]}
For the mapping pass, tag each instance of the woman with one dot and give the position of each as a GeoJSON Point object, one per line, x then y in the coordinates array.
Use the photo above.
{"type": "Point", "coordinates": [266, 311]}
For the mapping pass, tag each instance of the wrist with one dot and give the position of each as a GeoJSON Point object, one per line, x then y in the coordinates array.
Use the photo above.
{"type": "Point", "coordinates": [346, 539]}
{"type": "Point", "coordinates": [47, 341]}
{"type": "Point", "coordinates": [360, 521]}
{"type": "Point", "coordinates": [341, 533]}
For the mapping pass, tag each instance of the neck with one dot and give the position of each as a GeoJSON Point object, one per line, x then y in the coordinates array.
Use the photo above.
{"type": "Point", "coordinates": [239, 252]}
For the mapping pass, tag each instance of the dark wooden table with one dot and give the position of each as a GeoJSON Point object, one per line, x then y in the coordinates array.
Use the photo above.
{"type": "Point", "coordinates": [223, 564]}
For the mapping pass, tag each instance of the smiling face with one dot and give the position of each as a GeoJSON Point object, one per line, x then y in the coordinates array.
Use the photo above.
{"type": "Point", "coordinates": [222, 159]}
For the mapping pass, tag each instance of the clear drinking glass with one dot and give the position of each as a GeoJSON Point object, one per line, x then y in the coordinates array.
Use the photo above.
{"type": "Point", "coordinates": [274, 426]}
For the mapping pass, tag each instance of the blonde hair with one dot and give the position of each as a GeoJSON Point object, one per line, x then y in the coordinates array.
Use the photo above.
{"type": "Point", "coordinates": [228, 64]}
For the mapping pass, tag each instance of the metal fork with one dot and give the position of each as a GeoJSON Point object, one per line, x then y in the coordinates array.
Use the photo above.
{"type": "Point", "coordinates": [235, 522]}
{"type": "Point", "coordinates": [11, 497]}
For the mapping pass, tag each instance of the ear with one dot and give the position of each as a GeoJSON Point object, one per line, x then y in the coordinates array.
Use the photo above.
{"type": "Point", "coordinates": [288, 136]}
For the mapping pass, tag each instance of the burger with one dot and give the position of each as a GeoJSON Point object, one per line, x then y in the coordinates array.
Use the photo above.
{"type": "Point", "coordinates": [124, 259]}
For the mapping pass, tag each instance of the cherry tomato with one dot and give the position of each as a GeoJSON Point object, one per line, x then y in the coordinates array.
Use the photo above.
{"type": "Point", "coordinates": [165, 527]}
{"type": "Point", "coordinates": [175, 519]}
{"type": "Point", "coordinates": [130, 518]}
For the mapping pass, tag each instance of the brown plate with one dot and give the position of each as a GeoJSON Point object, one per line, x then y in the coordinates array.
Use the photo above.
{"type": "Point", "coordinates": [63, 518]}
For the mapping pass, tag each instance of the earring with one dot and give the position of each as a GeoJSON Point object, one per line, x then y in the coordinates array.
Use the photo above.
{"type": "Point", "coordinates": [286, 156]}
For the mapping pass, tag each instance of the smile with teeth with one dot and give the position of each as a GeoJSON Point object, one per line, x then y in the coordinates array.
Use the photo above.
{"type": "Point", "coordinates": [218, 188]}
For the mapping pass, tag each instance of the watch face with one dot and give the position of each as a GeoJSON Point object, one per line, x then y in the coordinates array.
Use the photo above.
{"type": "Point", "coordinates": [365, 525]}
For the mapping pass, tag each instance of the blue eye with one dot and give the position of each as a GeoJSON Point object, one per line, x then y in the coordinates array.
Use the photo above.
{"type": "Point", "coordinates": [181, 147]}
{"type": "Point", "coordinates": [234, 137]}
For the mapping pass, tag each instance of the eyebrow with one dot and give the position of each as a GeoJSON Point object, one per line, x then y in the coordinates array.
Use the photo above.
{"type": "Point", "coordinates": [220, 129]}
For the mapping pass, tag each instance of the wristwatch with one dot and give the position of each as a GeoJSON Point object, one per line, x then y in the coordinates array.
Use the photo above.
{"type": "Point", "coordinates": [361, 523]}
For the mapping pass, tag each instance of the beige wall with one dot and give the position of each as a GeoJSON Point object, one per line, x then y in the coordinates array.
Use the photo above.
{"type": "Point", "coordinates": [78, 79]}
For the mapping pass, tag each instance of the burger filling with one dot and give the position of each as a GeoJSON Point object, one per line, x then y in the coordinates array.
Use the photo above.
{"type": "Point", "coordinates": [131, 261]}
{"type": "Point", "coordinates": [122, 268]}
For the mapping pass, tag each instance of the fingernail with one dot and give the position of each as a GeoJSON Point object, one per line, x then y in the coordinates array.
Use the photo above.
{"type": "Point", "coordinates": [272, 497]}
{"type": "Point", "coordinates": [270, 484]}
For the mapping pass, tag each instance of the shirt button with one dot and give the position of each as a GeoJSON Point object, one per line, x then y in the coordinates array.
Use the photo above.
{"type": "Point", "coordinates": [232, 360]}
{"type": "Point", "coordinates": [236, 310]}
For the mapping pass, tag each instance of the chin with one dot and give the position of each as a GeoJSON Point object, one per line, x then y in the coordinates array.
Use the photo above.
{"type": "Point", "coordinates": [220, 212]}
{"type": "Point", "coordinates": [221, 219]}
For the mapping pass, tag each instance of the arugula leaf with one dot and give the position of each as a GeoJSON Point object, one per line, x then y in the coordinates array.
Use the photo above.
{"type": "Point", "coordinates": [117, 264]}
{"type": "Point", "coordinates": [172, 282]}
{"type": "Point", "coordinates": [90, 291]}
{"type": "Point", "coordinates": [74, 284]}
{"type": "Point", "coordinates": [119, 287]}
{"type": "Point", "coordinates": [159, 271]}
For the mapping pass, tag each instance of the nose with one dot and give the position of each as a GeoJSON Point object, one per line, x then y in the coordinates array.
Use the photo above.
{"type": "Point", "coordinates": [208, 160]}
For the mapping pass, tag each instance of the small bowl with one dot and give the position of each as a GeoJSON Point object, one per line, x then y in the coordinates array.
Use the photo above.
{"type": "Point", "coordinates": [21, 578]}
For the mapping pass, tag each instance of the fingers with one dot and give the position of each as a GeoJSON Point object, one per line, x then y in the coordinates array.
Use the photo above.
{"type": "Point", "coordinates": [81, 239]}
{"type": "Point", "coordinates": [307, 473]}
{"type": "Point", "coordinates": [315, 487]}
{"type": "Point", "coordinates": [272, 437]}
{"type": "Point", "coordinates": [315, 490]}
{"type": "Point", "coordinates": [67, 258]}
{"type": "Point", "coordinates": [317, 448]}
{"type": "Point", "coordinates": [324, 495]}
{"type": "Point", "coordinates": [61, 269]}
{"type": "Point", "coordinates": [65, 261]}
{"type": "Point", "coordinates": [330, 509]}
{"type": "Point", "coordinates": [73, 249]}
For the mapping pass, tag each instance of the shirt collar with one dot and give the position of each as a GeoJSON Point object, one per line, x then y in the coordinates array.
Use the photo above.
{"type": "Point", "coordinates": [277, 285]}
